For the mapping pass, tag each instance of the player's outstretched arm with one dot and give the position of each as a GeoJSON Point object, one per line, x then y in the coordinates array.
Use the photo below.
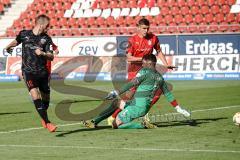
{"type": "Point", "coordinates": [164, 60]}
{"type": "Point", "coordinates": [171, 99]}
{"type": "Point", "coordinates": [10, 46]}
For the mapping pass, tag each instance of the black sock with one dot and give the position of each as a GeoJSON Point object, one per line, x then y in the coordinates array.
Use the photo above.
{"type": "Point", "coordinates": [45, 104]}
{"type": "Point", "coordinates": [40, 109]}
{"type": "Point", "coordinates": [107, 112]}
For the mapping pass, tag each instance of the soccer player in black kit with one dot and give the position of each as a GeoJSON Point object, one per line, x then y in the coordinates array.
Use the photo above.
{"type": "Point", "coordinates": [35, 54]}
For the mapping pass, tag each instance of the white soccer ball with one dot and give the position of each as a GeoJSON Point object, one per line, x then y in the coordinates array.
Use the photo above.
{"type": "Point", "coordinates": [236, 119]}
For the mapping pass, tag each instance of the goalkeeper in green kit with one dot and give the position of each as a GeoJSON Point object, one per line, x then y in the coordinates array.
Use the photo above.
{"type": "Point", "coordinates": [148, 81]}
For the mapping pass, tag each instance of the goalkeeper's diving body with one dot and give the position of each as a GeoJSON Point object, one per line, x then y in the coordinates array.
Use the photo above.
{"type": "Point", "coordinates": [147, 81]}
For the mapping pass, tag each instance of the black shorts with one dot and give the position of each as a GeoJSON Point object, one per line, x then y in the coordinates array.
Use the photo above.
{"type": "Point", "coordinates": [40, 81]}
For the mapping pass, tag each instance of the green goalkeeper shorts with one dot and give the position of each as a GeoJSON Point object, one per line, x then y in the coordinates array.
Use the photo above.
{"type": "Point", "coordinates": [133, 110]}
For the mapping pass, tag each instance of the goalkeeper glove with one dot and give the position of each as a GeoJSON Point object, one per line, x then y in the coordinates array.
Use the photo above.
{"type": "Point", "coordinates": [111, 95]}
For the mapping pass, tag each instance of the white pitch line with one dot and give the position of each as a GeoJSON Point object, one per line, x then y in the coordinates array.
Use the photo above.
{"type": "Point", "coordinates": [129, 149]}
{"type": "Point", "coordinates": [218, 108]}
{"type": "Point", "coordinates": [72, 124]}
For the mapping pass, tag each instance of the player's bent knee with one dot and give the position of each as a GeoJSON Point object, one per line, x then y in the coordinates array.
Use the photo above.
{"type": "Point", "coordinates": [35, 94]}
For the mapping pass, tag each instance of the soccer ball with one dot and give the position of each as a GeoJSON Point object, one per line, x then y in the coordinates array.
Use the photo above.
{"type": "Point", "coordinates": [236, 118]}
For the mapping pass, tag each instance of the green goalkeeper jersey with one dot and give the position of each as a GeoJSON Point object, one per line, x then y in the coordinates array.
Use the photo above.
{"type": "Point", "coordinates": [147, 81]}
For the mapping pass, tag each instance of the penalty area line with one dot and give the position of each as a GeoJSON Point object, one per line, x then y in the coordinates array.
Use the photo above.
{"type": "Point", "coordinates": [72, 124]}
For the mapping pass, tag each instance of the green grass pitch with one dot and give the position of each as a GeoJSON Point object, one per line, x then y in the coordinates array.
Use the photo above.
{"type": "Point", "coordinates": [211, 135]}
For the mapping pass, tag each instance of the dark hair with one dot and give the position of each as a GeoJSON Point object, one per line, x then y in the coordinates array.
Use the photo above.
{"type": "Point", "coordinates": [42, 16]}
{"type": "Point", "coordinates": [150, 57]}
{"type": "Point", "coordinates": [143, 21]}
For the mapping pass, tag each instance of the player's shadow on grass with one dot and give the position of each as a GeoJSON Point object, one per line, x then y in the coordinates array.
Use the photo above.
{"type": "Point", "coordinates": [79, 101]}
{"type": "Point", "coordinates": [193, 122]}
{"type": "Point", "coordinates": [13, 113]}
{"type": "Point", "coordinates": [81, 130]}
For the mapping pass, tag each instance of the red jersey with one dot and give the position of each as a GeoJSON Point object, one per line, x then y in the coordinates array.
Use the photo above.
{"type": "Point", "coordinates": [138, 47]}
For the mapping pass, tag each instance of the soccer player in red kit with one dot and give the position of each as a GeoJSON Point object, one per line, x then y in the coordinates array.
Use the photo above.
{"type": "Point", "coordinates": [140, 44]}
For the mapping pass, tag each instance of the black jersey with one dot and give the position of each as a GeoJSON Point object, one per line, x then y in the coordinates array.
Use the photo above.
{"type": "Point", "coordinates": [31, 62]}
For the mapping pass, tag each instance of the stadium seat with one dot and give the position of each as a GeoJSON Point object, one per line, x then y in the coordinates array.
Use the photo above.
{"type": "Point", "coordinates": [125, 12]}
{"type": "Point", "coordinates": [178, 19]}
{"type": "Point", "coordinates": [171, 3]}
{"type": "Point", "coordinates": [215, 9]}
{"type": "Point", "coordinates": [132, 3]}
{"type": "Point", "coordinates": [188, 18]}
{"type": "Point", "coordinates": [201, 2]}
{"type": "Point", "coordinates": [199, 19]}
{"type": "Point", "coordinates": [219, 18]}
{"type": "Point", "coordinates": [213, 27]}
{"type": "Point", "coordinates": [204, 9]}
{"type": "Point", "coordinates": [225, 9]}
{"type": "Point", "coordinates": [134, 12]}
{"type": "Point", "coordinates": [230, 18]}
{"type": "Point", "coordinates": [185, 10]}
{"type": "Point", "coordinates": [124, 4]}
{"type": "Point", "coordinates": [165, 10]}
{"type": "Point", "coordinates": [209, 18]}
{"type": "Point", "coordinates": [106, 13]}
{"type": "Point", "coordinates": [194, 10]}
{"type": "Point", "coordinates": [116, 12]}
{"type": "Point", "coordinates": [161, 3]}
{"type": "Point", "coordinates": [144, 11]}
{"type": "Point", "coordinates": [168, 19]}
{"type": "Point", "coordinates": [175, 10]}
{"type": "Point", "coordinates": [190, 3]}
{"type": "Point", "coordinates": [199, 15]}
{"type": "Point", "coordinates": [224, 27]}
{"type": "Point", "coordinates": [181, 3]}
{"type": "Point", "coordinates": [97, 12]}
{"type": "Point", "coordinates": [211, 2]}
{"type": "Point", "coordinates": [154, 11]}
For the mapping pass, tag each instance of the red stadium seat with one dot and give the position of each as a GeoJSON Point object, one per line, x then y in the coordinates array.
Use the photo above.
{"type": "Point", "coordinates": [238, 18]}
{"type": "Point", "coordinates": [132, 3]}
{"type": "Point", "coordinates": [202, 28]}
{"type": "Point", "coordinates": [161, 3]}
{"type": "Point", "coordinates": [204, 9]}
{"type": "Point", "coordinates": [175, 10]}
{"type": "Point", "coordinates": [223, 27]}
{"type": "Point", "coordinates": [221, 2]}
{"type": "Point", "coordinates": [165, 10]}
{"type": "Point", "coordinates": [219, 18]}
{"type": "Point", "coordinates": [225, 9]}
{"type": "Point", "coordinates": [211, 2]}
{"type": "Point", "coordinates": [171, 3]}
{"type": "Point", "coordinates": [215, 9]}
{"type": "Point", "coordinates": [235, 28]}
{"type": "Point", "coordinates": [201, 2]}
{"type": "Point", "coordinates": [190, 3]}
{"type": "Point", "coordinates": [172, 28]}
{"type": "Point", "coordinates": [178, 19]}
{"type": "Point", "coordinates": [213, 27]}
{"type": "Point", "coordinates": [188, 18]}
{"type": "Point", "coordinates": [185, 10]}
{"type": "Point", "coordinates": [231, 2]}
{"type": "Point", "coordinates": [194, 10]}
{"type": "Point", "coordinates": [199, 19]}
{"type": "Point", "coordinates": [209, 18]}
{"type": "Point", "coordinates": [168, 19]}
{"type": "Point", "coordinates": [181, 3]}
{"type": "Point", "coordinates": [230, 18]}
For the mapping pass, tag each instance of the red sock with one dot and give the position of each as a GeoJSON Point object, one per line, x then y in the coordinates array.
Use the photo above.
{"type": "Point", "coordinates": [174, 103]}
{"type": "Point", "coordinates": [114, 115]}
